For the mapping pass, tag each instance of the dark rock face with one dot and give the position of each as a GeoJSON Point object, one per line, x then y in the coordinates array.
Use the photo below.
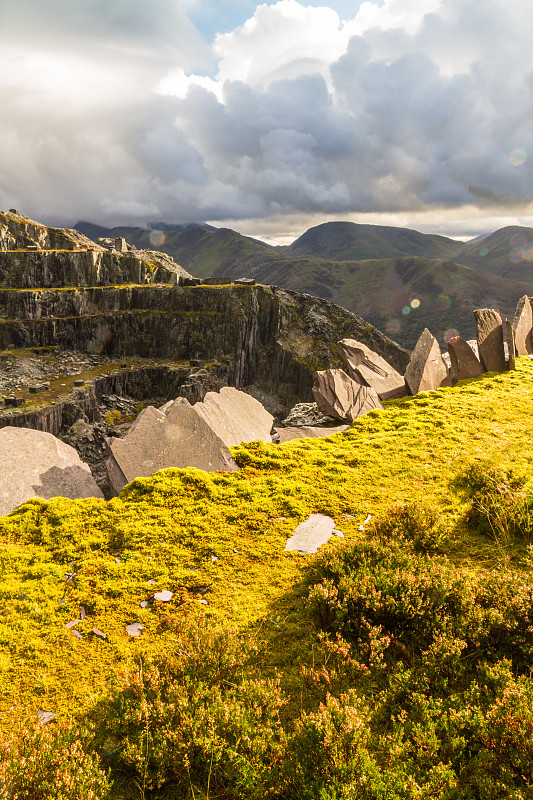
{"type": "Point", "coordinates": [268, 336]}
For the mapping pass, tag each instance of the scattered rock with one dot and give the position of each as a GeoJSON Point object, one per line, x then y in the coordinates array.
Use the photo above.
{"type": "Point", "coordinates": [306, 415]}
{"type": "Point", "coordinates": [72, 623]}
{"type": "Point", "coordinates": [45, 716]}
{"type": "Point", "coordinates": [36, 464]}
{"type": "Point", "coordinates": [305, 432]}
{"type": "Point", "coordinates": [370, 369]}
{"type": "Point", "coordinates": [235, 416]}
{"type": "Point", "coordinates": [426, 370]}
{"type": "Point", "coordinates": [135, 629]}
{"type": "Point", "coordinates": [522, 325]}
{"type": "Point", "coordinates": [164, 596]}
{"type": "Point", "coordinates": [311, 534]}
{"type": "Point", "coordinates": [490, 339]}
{"type": "Point", "coordinates": [464, 363]}
{"type": "Point", "coordinates": [338, 395]}
{"type": "Point", "coordinates": [101, 634]}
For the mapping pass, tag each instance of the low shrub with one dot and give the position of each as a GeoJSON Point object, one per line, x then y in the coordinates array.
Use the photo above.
{"type": "Point", "coordinates": [50, 762]}
{"type": "Point", "coordinates": [201, 717]}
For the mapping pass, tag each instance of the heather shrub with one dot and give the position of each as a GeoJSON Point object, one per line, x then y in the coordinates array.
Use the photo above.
{"type": "Point", "coordinates": [201, 717]}
{"type": "Point", "coordinates": [413, 525]}
{"type": "Point", "coordinates": [50, 762]}
{"type": "Point", "coordinates": [501, 505]}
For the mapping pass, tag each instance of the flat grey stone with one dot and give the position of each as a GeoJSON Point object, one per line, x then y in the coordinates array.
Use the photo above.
{"type": "Point", "coordinates": [370, 369]}
{"type": "Point", "coordinates": [337, 395]}
{"type": "Point", "coordinates": [235, 416]}
{"type": "Point", "coordinates": [179, 438]}
{"type": "Point", "coordinates": [307, 432]}
{"type": "Point", "coordinates": [311, 534]}
{"type": "Point", "coordinates": [464, 364]}
{"type": "Point", "coordinates": [426, 370]}
{"type": "Point", "coordinates": [522, 325]}
{"type": "Point", "coordinates": [36, 464]}
{"type": "Point", "coordinates": [490, 339]}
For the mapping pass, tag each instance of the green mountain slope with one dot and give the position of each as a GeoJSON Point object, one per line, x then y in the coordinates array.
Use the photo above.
{"type": "Point", "coordinates": [348, 241]}
{"type": "Point", "coordinates": [507, 252]}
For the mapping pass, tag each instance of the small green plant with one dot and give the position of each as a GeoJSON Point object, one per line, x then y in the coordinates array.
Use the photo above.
{"type": "Point", "coordinates": [50, 762]}
{"type": "Point", "coordinates": [113, 417]}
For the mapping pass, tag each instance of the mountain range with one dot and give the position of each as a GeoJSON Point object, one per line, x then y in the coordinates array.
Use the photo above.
{"type": "Point", "coordinates": [398, 279]}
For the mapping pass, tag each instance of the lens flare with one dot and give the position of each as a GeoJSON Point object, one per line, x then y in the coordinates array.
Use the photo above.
{"type": "Point", "coordinates": [483, 251]}
{"type": "Point", "coordinates": [443, 302]}
{"type": "Point", "coordinates": [517, 156]}
{"type": "Point", "coordinates": [451, 333]}
{"type": "Point", "coordinates": [392, 326]}
{"type": "Point", "coordinates": [415, 303]}
{"type": "Point", "coordinates": [157, 238]}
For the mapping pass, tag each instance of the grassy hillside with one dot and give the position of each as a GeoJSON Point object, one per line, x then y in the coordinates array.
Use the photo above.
{"type": "Point", "coordinates": [348, 241]}
{"type": "Point", "coordinates": [403, 673]}
{"type": "Point", "coordinates": [508, 253]}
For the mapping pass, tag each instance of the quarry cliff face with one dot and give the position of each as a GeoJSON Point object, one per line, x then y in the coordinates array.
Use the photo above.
{"type": "Point", "coordinates": [267, 336]}
{"type": "Point", "coordinates": [37, 256]}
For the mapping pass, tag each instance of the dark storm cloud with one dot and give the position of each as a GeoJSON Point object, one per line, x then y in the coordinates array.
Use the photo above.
{"type": "Point", "coordinates": [394, 121]}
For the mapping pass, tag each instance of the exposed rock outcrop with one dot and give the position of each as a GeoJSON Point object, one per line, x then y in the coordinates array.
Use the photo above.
{"type": "Point", "coordinates": [370, 369]}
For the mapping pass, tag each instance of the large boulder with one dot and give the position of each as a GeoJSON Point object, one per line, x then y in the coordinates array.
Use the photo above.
{"type": "Point", "coordinates": [490, 339]}
{"type": "Point", "coordinates": [426, 370]}
{"type": "Point", "coordinates": [464, 362]}
{"type": "Point", "coordinates": [522, 325]}
{"type": "Point", "coordinates": [370, 369]}
{"type": "Point", "coordinates": [36, 464]}
{"type": "Point", "coordinates": [158, 440]}
{"type": "Point", "coordinates": [235, 416]}
{"type": "Point", "coordinates": [337, 395]}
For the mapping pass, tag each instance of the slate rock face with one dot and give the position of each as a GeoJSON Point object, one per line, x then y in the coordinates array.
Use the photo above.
{"type": "Point", "coordinates": [464, 362]}
{"type": "Point", "coordinates": [235, 416]}
{"type": "Point", "coordinates": [307, 432]}
{"type": "Point", "coordinates": [511, 344]}
{"type": "Point", "coordinates": [522, 325]}
{"type": "Point", "coordinates": [311, 534]}
{"type": "Point", "coordinates": [337, 395]}
{"type": "Point", "coordinates": [178, 438]}
{"type": "Point", "coordinates": [36, 464]}
{"type": "Point", "coordinates": [490, 339]}
{"type": "Point", "coordinates": [370, 369]}
{"type": "Point", "coordinates": [306, 414]}
{"type": "Point", "coordinates": [426, 370]}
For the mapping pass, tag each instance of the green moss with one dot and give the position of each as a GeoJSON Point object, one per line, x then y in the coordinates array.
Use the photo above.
{"type": "Point", "coordinates": [227, 531]}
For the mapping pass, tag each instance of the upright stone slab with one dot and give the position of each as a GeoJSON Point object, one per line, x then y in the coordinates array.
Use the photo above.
{"type": "Point", "coordinates": [181, 439]}
{"type": "Point", "coordinates": [311, 534]}
{"type": "Point", "coordinates": [522, 325]}
{"type": "Point", "coordinates": [307, 432]}
{"type": "Point", "coordinates": [426, 370]}
{"type": "Point", "coordinates": [36, 464]}
{"type": "Point", "coordinates": [464, 362]}
{"type": "Point", "coordinates": [337, 395]}
{"type": "Point", "coordinates": [369, 369]}
{"type": "Point", "coordinates": [490, 339]}
{"type": "Point", "coordinates": [235, 416]}
{"type": "Point", "coordinates": [511, 345]}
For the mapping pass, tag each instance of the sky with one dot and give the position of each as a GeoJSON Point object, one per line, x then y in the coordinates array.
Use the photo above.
{"type": "Point", "coordinates": [271, 117]}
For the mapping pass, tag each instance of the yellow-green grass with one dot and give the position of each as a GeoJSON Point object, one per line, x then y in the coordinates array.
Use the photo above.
{"type": "Point", "coordinates": [171, 528]}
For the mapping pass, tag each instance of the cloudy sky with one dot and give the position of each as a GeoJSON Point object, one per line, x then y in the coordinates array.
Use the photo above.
{"type": "Point", "coordinates": [268, 117]}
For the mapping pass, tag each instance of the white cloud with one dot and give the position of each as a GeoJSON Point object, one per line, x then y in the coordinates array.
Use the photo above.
{"type": "Point", "coordinates": [119, 112]}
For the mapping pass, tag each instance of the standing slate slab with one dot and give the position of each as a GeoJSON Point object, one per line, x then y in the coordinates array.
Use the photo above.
{"type": "Point", "coordinates": [311, 534]}
{"type": "Point", "coordinates": [490, 339]}
{"type": "Point", "coordinates": [522, 325]}
{"type": "Point", "coordinates": [36, 464]}
{"type": "Point", "coordinates": [235, 416]}
{"type": "Point", "coordinates": [464, 362]}
{"type": "Point", "coordinates": [511, 346]}
{"type": "Point", "coordinates": [179, 438]}
{"type": "Point", "coordinates": [426, 370]}
{"type": "Point", "coordinates": [369, 369]}
{"type": "Point", "coordinates": [337, 395]}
